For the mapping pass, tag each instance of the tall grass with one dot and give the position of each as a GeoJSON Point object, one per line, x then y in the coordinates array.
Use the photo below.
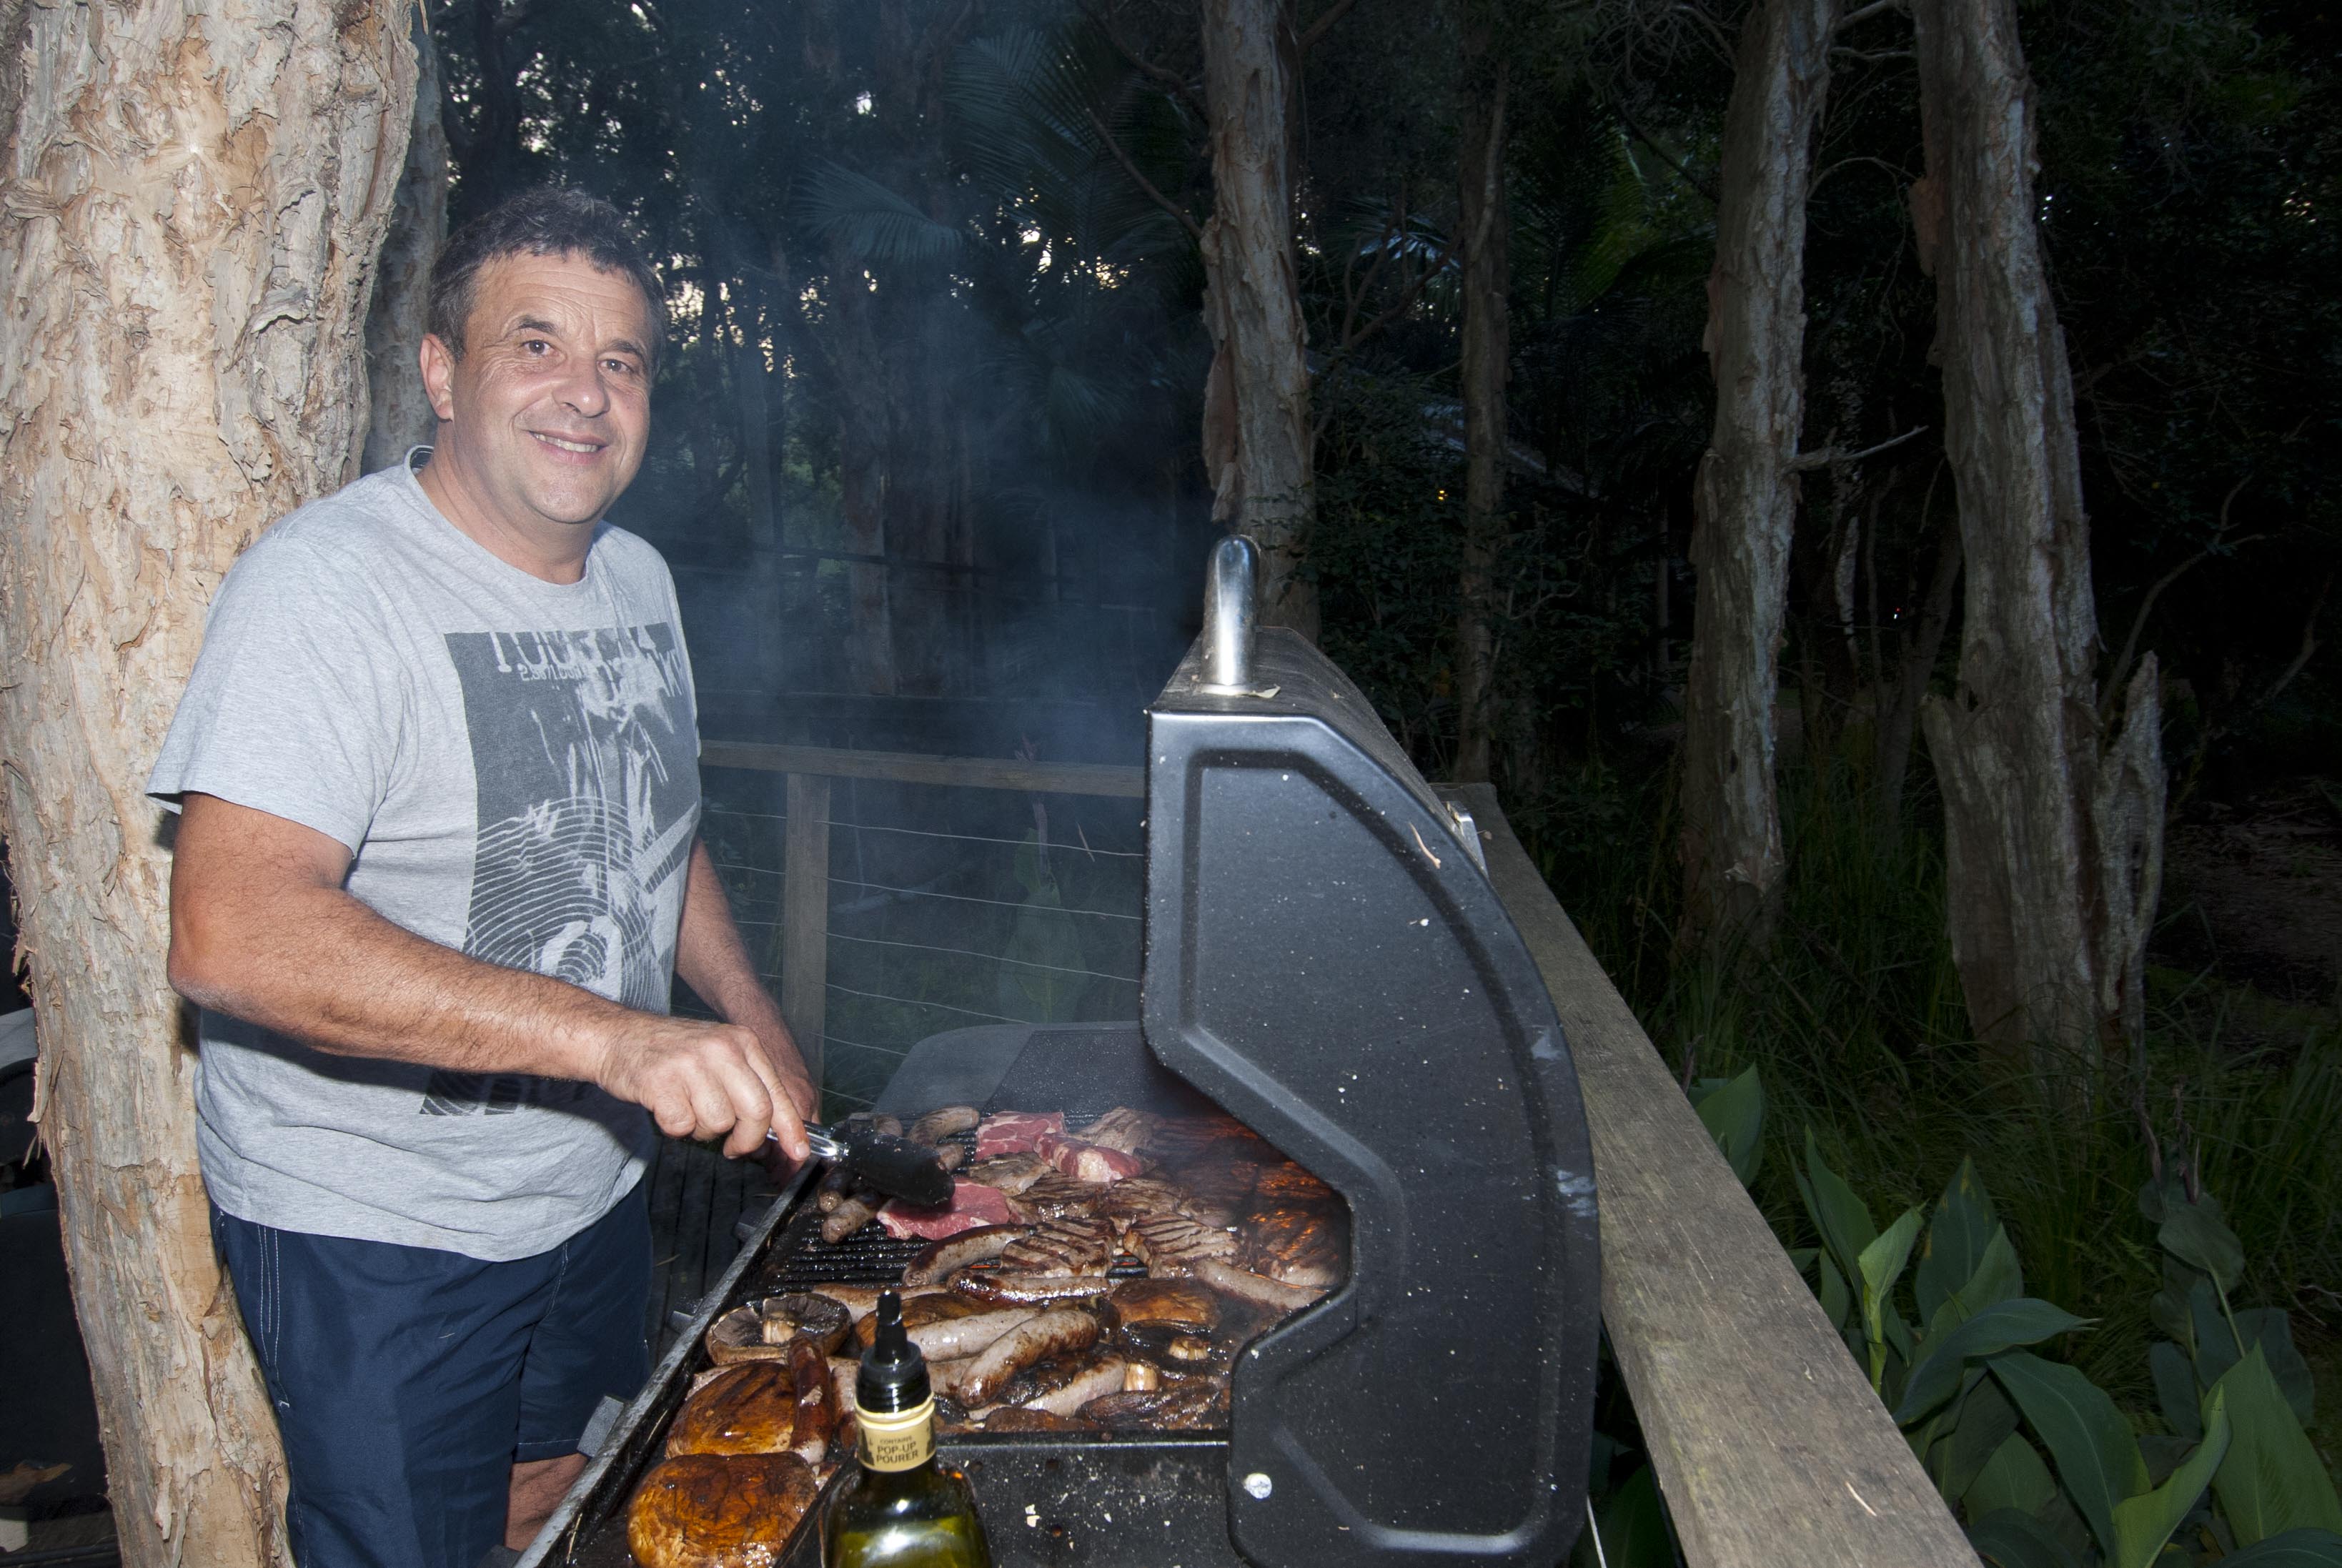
{"type": "Point", "coordinates": [1855, 1017]}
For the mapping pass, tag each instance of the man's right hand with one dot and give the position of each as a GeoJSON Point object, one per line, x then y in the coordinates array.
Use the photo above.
{"type": "Point", "coordinates": [698, 1080]}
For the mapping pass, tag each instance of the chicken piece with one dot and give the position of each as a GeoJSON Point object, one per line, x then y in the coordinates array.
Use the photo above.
{"type": "Point", "coordinates": [1121, 1128]}
{"type": "Point", "coordinates": [1179, 1303]}
{"type": "Point", "coordinates": [750, 1408]}
{"type": "Point", "coordinates": [1011, 1173]}
{"type": "Point", "coordinates": [1286, 1182]}
{"type": "Point", "coordinates": [717, 1510]}
{"type": "Point", "coordinates": [1299, 1244]}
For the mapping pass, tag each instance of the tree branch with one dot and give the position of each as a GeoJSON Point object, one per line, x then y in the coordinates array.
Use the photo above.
{"type": "Point", "coordinates": [1161, 75]}
{"type": "Point", "coordinates": [1862, 14]}
{"type": "Point", "coordinates": [1683, 171]}
{"type": "Point", "coordinates": [1829, 455]}
{"type": "Point", "coordinates": [2120, 669]}
{"type": "Point", "coordinates": [1186, 220]}
{"type": "Point", "coordinates": [1324, 23]}
{"type": "Point", "coordinates": [2309, 646]}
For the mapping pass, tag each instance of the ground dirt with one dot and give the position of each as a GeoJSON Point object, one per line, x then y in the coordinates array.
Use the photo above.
{"type": "Point", "coordinates": [2252, 893]}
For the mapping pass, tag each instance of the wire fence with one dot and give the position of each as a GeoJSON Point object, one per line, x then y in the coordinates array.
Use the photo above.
{"type": "Point", "coordinates": [948, 908]}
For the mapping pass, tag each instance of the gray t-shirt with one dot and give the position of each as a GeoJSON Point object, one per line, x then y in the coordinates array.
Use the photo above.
{"type": "Point", "coordinates": [514, 765]}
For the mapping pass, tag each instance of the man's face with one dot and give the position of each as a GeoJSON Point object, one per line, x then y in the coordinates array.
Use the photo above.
{"type": "Point", "coordinates": [550, 402]}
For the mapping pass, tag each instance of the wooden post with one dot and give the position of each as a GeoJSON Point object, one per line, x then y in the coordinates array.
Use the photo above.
{"type": "Point", "coordinates": [805, 916]}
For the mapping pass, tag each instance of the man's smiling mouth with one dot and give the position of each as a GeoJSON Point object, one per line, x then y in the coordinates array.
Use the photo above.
{"type": "Point", "coordinates": [566, 445]}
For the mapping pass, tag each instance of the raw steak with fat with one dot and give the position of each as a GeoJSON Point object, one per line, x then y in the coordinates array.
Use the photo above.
{"type": "Point", "coordinates": [973, 1204]}
{"type": "Point", "coordinates": [1015, 1132]}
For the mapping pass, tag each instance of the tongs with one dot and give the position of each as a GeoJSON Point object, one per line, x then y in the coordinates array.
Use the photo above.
{"type": "Point", "coordinates": [893, 1166]}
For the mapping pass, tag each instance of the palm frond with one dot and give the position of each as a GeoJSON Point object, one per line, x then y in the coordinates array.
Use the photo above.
{"type": "Point", "coordinates": [871, 223]}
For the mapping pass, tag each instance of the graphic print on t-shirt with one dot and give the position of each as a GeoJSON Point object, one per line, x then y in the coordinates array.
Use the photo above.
{"type": "Point", "coordinates": [589, 793]}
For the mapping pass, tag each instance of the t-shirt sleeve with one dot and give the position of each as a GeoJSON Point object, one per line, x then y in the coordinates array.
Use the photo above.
{"type": "Point", "coordinates": [295, 705]}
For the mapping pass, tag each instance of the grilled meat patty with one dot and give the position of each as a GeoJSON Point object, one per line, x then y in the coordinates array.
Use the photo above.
{"type": "Point", "coordinates": [1069, 1245]}
{"type": "Point", "coordinates": [1170, 1245]}
{"type": "Point", "coordinates": [1011, 1174]}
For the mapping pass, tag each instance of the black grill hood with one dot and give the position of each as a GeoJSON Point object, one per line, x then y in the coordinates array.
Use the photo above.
{"type": "Point", "coordinates": [1327, 959]}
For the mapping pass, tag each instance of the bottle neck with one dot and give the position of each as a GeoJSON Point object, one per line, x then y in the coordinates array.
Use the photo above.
{"type": "Point", "coordinates": [895, 1441]}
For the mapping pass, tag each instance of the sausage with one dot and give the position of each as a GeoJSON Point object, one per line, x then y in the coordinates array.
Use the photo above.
{"type": "Point", "coordinates": [1034, 1290]}
{"type": "Point", "coordinates": [942, 1123]}
{"type": "Point", "coordinates": [1045, 1334]}
{"type": "Point", "coordinates": [850, 1217]}
{"type": "Point", "coordinates": [835, 1182]}
{"type": "Point", "coordinates": [1246, 1286]}
{"type": "Point", "coordinates": [944, 1258]}
{"type": "Point", "coordinates": [816, 1415]}
{"type": "Point", "coordinates": [1107, 1375]}
{"type": "Point", "coordinates": [966, 1336]}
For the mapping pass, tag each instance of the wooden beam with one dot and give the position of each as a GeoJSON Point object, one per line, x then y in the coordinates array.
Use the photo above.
{"type": "Point", "coordinates": [1769, 1446]}
{"type": "Point", "coordinates": [804, 917]}
{"type": "Point", "coordinates": [1127, 782]}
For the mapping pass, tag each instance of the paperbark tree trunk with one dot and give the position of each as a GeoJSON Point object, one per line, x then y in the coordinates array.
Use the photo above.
{"type": "Point", "coordinates": [195, 197]}
{"type": "Point", "coordinates": [2053, 813]}
{"type": "Point", "coordinates": [1257, 429]}
{"type": "Point", "coordinates": [1746, 495]}
{"type": "Point", "coordinates": [1484, 226]}
{"type": "Point", "coordinates": [401, 414]}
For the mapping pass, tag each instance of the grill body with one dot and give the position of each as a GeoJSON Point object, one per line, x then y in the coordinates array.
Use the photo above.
{"type": "Point", "coordinates": [1327, 960]}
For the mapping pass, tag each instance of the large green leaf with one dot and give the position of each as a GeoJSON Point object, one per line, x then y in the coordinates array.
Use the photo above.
{"type": "Point", "coordinates": [1980, 1424]}
{"type": "Point", "coordinates": [2272, 1330]}
{"type": "Point", "coordinates": [2196, 1235]}
{"type": "Point", "coordinates": [1845, 1224]}
{"type": "Point", "coordinates": [2174, 1389]}
{"type": "Point", "coordinates": [1633, 1526]}
{"type": "Point", "coordinates": [1733, 1112]}
{"type": "Point", "coordinates": [2294, 1549]}
{"type": "Point", "coordinates": [1838, 1302]}
{"type": "Point", "coordinates": [2089, 1442]}
{"type": "Point", "coordinates": [2014, 1477]}
{"type": "Point", "coordinates": [2001, 1326]}
{"type": "Point", "coordinates": [1963, 1227]}
{"type": "Point", "coordinates": [1882, 1263]}
{"type": "Point", "coordinates": [2272, 1479]}
{"type": "Point", "coordinates": [2143, 1524]}
{"type": "Point", "coordinates": [2006, 1538]}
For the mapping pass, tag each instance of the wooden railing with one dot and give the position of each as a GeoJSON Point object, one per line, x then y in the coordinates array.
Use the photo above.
{"type": "Point", "coordinates": [1768, 1444]}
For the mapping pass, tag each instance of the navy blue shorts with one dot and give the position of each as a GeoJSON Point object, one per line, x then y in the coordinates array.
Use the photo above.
{"type": "Point", "coordinates": [407, 1381]}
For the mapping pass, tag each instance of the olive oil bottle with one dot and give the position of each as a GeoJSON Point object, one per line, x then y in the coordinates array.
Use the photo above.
{"type": "Point", "coordinates": [901, 1509]}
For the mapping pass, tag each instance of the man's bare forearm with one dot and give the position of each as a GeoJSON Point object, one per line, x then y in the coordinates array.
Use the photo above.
{"type": "Point", "coordinates": [330, 971]}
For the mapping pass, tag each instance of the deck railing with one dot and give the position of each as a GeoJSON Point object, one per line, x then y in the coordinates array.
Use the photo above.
{"type": "Point", "coordinates": [1768, 1443]}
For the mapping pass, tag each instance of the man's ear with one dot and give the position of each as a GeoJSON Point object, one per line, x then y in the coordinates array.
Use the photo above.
{"type": "Point", "coordinates": [438, 363]}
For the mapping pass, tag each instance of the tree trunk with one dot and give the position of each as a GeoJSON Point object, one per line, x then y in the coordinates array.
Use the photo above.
{"type": "Point", "coordinates": [2053, 821]}
{"type": "Point", "coordinates": [1484, 227]}
{"type": "Point", "coordinates": [1256, 431]}
{"type": "Point", "coordinates": [401, 414]}
{"type": "Point", "coordinates": [1745, 496]}
{"type": "Point", "coordinates": [195, 202]}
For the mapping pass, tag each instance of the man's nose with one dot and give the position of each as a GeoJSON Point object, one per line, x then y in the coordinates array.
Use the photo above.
{"type": "Point", "coordinates": [586, 389]}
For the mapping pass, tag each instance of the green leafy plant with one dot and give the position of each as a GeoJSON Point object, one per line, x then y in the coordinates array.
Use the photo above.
{"type": "Point", "coordinates": [2047, 1471]}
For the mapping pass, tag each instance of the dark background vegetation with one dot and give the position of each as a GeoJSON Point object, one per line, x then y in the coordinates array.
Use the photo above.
{"type": "Point", "coordinates": [1037, 312]}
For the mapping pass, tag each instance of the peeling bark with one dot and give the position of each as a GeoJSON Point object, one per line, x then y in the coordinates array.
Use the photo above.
{"type": "Point", "coordinates": [2053, 824]}
{"type": "Point", "coordinates": [1257, 429]}
{"type": "Point", "coordinates": [195, 195]}
{"type": "Point", "coordinates": [400, 412]}
{"type": "Point", "coordinates": [1485, 230]}
{"type": "Point", "coordinates": [1746, 495]}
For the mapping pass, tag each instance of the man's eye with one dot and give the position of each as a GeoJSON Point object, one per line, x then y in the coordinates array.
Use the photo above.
{"type": "Point", "coordinates": [536, 346]}
{"type": "Point", "coordinates": [618, 366]}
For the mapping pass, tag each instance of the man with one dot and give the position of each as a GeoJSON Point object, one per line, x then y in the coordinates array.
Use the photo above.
{"type": "Point", "coordinates": [436, 866]}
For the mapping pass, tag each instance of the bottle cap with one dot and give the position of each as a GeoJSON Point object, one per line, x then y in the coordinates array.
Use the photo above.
{"type": "Point", "coordinates": [894, 1376]}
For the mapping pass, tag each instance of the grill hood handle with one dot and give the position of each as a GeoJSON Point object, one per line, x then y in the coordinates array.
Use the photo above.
{"type": "Point", "coordinates": [1231, 595]}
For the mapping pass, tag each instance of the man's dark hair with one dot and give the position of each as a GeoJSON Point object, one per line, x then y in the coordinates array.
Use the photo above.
{"type": "Point", "coordinates": [548, 220]}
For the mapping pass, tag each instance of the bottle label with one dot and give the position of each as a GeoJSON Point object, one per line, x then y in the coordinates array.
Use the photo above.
{"type": "Point", "coordinates": [901, 1440]}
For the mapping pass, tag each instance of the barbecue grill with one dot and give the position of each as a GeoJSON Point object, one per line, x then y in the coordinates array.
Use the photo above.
{"type": "Point", "coordinates": [1327, 961]}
